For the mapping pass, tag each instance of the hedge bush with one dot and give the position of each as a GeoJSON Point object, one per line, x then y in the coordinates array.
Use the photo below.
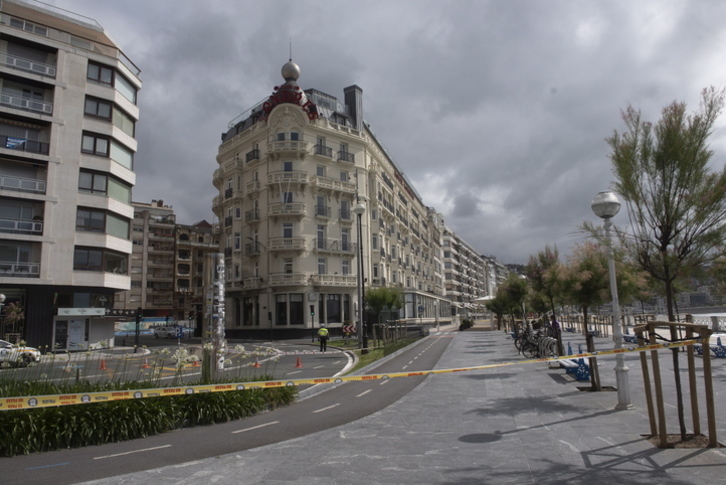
{"type": "Point", "coordinates": [45, 429]}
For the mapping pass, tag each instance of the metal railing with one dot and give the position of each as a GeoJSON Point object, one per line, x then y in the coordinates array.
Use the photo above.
{"type": "Point", "coordinates": [22, 184]}
{"type": "Point", "coordinates": [26, 104]}
{"type": "Point", "coordinates": [22, 64]}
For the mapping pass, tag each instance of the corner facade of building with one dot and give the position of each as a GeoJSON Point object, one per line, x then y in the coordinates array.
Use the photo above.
{"type": "Point", "coordinates": [68, 115]}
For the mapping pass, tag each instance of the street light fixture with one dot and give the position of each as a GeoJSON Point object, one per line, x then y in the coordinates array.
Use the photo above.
{"type": "Point", "coordinates": [359, 210]}
{"type": "Point", "coordinates": [2, 320]}
{"type": "Point", "coordinates": [606, 205]}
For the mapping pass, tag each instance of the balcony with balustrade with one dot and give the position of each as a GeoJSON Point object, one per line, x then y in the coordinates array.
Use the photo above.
{"type": "Point", "coordinates": [334, 280]}
{"type": "Point", "coordinates": [19, 269]}
{"type": "Point", "coordinates": [287, 209]}
{"type": "Point", "coordinates": [252, 187]}
{"type": "Point", "coordinates": [288, 279]}
{"type": "Point", "coordinates": [18, 63]}
{"type": "Point", "coordinates": [22, 184]}
{"type": "Point", "coordinates": [286, 243]}
{"type": "Point", "coordinates": [21, 226]}
{"type": "Point", "coordinates": [288, 146]}
{"type": "Point", "coordinates": [334, 246]}
{"type": "Point", "coordinates": [333, 185]}
{"type": "Point", "coordinates": [286, 178]}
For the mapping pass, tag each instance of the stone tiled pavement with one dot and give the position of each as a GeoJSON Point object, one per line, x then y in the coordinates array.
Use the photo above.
{"type": "Point", "coordinates": [519, 424]}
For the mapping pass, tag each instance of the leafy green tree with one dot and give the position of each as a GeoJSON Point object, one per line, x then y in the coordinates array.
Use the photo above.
{"type": "Point", "coordinates": [498, 306]}
{"type": "Point", "coordinates": [542, 271]}
{"type": "Point", "coordinates": [514, 291]}
{"type": "Point", "coordinates": [676, 205]}
{"type": "Point", "coordinates": [380, 299]}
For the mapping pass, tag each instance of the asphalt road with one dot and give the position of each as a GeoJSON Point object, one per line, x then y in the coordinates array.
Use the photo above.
{"type": "Point", "coordinates": [336, 406]}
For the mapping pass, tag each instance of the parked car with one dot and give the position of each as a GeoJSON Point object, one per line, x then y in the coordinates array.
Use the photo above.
{"type": "Point", "coordinates": [17, 354]}
{"type": "Point", "coordinates": [171, 332]}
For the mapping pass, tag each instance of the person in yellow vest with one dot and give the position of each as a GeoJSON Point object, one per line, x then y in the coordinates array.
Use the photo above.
{"type": "Point", "coordinates": [323, 337]}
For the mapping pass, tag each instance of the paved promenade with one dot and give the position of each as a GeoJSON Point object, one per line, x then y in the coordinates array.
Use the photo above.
{"type": "Point", "coordinates": [519, 424]}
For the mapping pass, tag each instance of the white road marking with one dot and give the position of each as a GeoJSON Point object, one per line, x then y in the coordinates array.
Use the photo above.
{"type": "Point", "coordinates": [325, 409]}
{"type": "Point", "coordinates": [318, 366]}
{"type": "Point", "coordinates": [294, 372]}
{"type": "Point", "coordinates": [364, 393]}
{"type": "Point", "coordinates": [384, 382]}
{"type": "Point", "coordinates": [131, 452]}
{"type": "Point", "coordinates": [255, 427]}
{"type": "Point", "coordinates": [404, 367]}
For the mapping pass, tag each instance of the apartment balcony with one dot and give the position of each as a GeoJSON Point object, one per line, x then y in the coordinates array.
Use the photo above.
{"type": "Point", "coordinates": [217, 178]}
{"type": "Point", "coordinates": [162, 222]}
{"type": "Point", "coordinates": [160, 249]}
{"type": "Point", "coordinates": [22, 64]}
{"type": "Point", "coordinates": [288, 279]}
{"type": "Point", "coordinates": [346, 215]}
{"type": "Point", "coordinates": [287, 177]}
{"type": "Point", "coordinates": [160, 276]}
{"type": "Point", "coordinates": [160, 236]}
{"type": "Point", "coordinates": [21, 184]}
{"type": "Point", "coordinates": [288, 146]}
{"type": "Point", "coordinates": [346, 157]}
{"type": "Point", "coordinates": [252, 249]}
{"type": "Point", "coordinates": [323, 151]}
{"type": "Point", "coordinates": [291, 209]}
{"type": "Point", "coordinates": [252, 187]}
{"type": "Point", "coordinates": [334, 280]}
{"type": "Point", "coordinates": [18, 269]}
{"type": "Point", "coordinates": [322, 211]}
{"type": "Point", "coordinates": [252, 155]}
{"type": "Point", "coordinates": [331, 184]}
{"type": "Point", "coordinates": [334, 246]}
{"type": "Point", "coordinates": [21, 226]}
{"type": "Point", "coordinates": [252, 215]}
{"type": "Point", "coordinates": [26, 104]}
{"type": "Point", "coordinates": [217, 201]}
{"type": "Point", "coordinates": [286, 244]}
{"type": "Point", "coordinates": [23, 145]}
{"type": "Point", "coordinates": [253, 282]}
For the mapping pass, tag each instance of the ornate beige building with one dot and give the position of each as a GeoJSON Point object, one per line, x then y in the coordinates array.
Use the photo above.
{"type": "Point", "coordinates": [291, 171]}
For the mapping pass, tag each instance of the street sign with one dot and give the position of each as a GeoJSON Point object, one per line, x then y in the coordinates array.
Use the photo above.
{"type": "Point", "coordinates": [179, 331]}
{"type": "Point", "coordinates": [349, 329]}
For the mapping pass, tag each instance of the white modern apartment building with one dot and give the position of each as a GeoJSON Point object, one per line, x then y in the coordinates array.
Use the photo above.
{"type": "Point", "coordinates": [291, 172]}
{"type": "Point", "coordinates": [68, 113]}
{"type": "Point", "coordinates": [467, 275]}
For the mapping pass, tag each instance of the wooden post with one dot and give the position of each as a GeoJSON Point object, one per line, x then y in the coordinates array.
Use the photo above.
{"type": "Point", "coordinates": [692, 383]}
{"type": "Point", "coordinates": [646, 382]}
{"type": "Point", "coordinates": [662, 433]}
{"type": "Point", "coordinates": [710, 409]}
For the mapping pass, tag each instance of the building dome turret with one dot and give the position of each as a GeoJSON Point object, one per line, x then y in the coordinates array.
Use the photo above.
{"type": "Point", "coordinates": [290, 71]}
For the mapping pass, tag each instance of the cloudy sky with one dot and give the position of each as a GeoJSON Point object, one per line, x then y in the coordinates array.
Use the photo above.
{"type": "Point", "coordinates": [496, 111]}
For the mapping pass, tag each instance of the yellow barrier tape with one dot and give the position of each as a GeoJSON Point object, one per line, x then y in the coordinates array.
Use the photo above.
{"type": "Point", "coordinates": [53, 400]}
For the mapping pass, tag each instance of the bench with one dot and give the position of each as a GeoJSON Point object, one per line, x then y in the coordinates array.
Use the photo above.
{"type": "Point", "coordinates": [718, 349]}
{"type": "Point", "coordinates": [579, 367]}
{"type": "Point", "coordinates": [631, 339]}
{"type": "Point", "coordinates": [570, 329]}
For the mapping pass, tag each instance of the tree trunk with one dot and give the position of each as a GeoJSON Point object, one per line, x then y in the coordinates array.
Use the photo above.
{"type": "Point", "coordinates": [674, 352]}
{"type": "Point", "coordinates": [594, 371]}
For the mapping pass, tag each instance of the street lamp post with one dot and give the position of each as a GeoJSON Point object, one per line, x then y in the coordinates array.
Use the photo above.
{"type": "Point", "coordinates": [2, 320]}
{"type": "Point", "coordinates": [606, 205]}
{"type": "Point", "coordinates": [359, 210]}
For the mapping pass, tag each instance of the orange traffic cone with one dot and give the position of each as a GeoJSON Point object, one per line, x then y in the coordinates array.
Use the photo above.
{"type": "Point", "coordinates": [103, 364]}
{"type": "Point", "coordinates": [195, 363]}
{"type": "Point", "coordinates": [146, 364]}
{"type": "Point", "coordinates": [298, 364]}
{"type": "Point", "coordinates": [256, 364]}
{"type": "Point", "coordinates": [67, 368]}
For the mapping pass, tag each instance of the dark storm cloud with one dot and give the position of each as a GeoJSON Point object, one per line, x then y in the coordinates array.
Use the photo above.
{"type": "Point", "coordinates": [496, 111]}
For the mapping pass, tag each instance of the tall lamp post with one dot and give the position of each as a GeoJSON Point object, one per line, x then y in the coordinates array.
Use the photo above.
{"type": "Point", "coordinates": [606, 205]}
{"type": "Point", "coordinates": [2, 320]}
{"type": "Point", "coordinates": [359, 210]}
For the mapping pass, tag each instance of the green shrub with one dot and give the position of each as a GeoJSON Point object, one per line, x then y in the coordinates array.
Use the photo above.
{"type": "Point", "coordinates": [466, 323]}
{"type": "Point", "coordinates": [36, 430]}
